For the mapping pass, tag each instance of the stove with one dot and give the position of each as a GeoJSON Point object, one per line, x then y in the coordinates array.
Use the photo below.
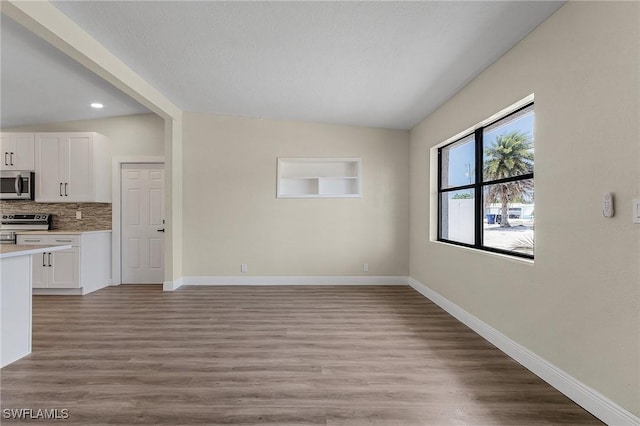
{"type": "Point", "coordinates": [13, 222]}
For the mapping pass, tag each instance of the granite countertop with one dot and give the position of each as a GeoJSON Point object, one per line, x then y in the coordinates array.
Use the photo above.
{"type": "Point", "coordinates": [13, 250]}
{"type": "Point", "coordinates": [62, 231]}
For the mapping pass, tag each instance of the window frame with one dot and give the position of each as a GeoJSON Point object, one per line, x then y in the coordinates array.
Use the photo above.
{"type": "Point", "coordinates": [478, 186]}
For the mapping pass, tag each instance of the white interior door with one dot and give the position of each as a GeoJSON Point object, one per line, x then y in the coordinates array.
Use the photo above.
{"type": "Point", "coordinates": [142, 219]}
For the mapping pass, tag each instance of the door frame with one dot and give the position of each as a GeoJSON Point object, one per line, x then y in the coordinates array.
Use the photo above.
{"type": "Point", "coordinates": [116, 208]}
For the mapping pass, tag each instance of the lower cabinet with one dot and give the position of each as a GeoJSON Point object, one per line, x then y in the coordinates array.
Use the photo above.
{"type": "Point", "coordinates": [58, 269]}
{"type": "Point", "coordinates": [86, 265]}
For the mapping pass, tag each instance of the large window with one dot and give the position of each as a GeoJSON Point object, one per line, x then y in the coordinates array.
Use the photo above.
{"type": "Point", "coordinates": [485, 187]}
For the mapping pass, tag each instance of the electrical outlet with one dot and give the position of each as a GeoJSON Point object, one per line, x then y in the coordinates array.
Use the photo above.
{"type": "Point", "coordinates": [365, 267]}
{"type": "Point", "coordinates": [244, 268]}
{"type": "Point", "coordinates": [78, 214]}
{"type": "Point", "coordinates": [607, 204]}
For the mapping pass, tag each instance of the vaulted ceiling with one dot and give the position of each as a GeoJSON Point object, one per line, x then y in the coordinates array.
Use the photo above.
{"type": "Point", "coordinates": [381, 64]}
{"type": "Point", "coordinates": [39, 84]}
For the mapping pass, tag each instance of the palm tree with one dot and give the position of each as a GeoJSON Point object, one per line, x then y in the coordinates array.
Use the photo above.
{"type": "Point", "coordinates": [511, 154]}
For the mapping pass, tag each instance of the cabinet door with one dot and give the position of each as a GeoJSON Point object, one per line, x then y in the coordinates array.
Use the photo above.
{"type": "Point", "coordinates": [7, 145]}
{"type": "Point", "coordinates": [40, 268]}
{"type": "Point", "coordinates": [64, 269]}
{"type": "Point", "coordinates": [49, 182]}
{"type": "Point", "coordinates": [65, 167]}
{"type": "Point", "coordinates": [24, 152]}
{"type": "Point", "coordinates": [17, 151]}
{"type": "Point", "coordinates": [79, 184]}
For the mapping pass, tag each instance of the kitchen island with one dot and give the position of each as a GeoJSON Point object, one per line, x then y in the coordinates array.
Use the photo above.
{"type": "Point", "coordinates": [15, 299]}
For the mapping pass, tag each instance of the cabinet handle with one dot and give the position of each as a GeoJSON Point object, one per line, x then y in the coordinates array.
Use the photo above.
{"type": "Point", "coordinates": [49, 259]}
{"type": "Point", "coordinates": [43, 262]}
{"type": "Point", "coordinates": [6, 163]}
{"type": "Point", "coordinates": [17, 185]}
{"type": "Point", "coordinates": [65, 190]}
{"type": "Point", "coordinates": [63, 241]}
{"type": "Point", "coordinates": [32, 241]}
{"type": "Point", "coordinates": [61, 189]}
{"type": "Point", "coordinates": [20, 183]}
{"type": "Point", "coordinates": [11, 159]}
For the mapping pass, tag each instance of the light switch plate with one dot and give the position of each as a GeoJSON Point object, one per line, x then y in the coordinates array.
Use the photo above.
{"type": "Point", "coordinates": [636, 210]}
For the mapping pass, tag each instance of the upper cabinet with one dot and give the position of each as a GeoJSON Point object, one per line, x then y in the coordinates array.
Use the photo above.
{"type": "Point", "coordinates": [73, 167]}
{"type": "Point", "coordinates": [17, 150]}
{"type": "Point", "coordinates": [319, 178]}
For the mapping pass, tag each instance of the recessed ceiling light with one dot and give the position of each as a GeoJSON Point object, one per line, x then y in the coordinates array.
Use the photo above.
{"type": "Point", "coordinates": [96, 105]}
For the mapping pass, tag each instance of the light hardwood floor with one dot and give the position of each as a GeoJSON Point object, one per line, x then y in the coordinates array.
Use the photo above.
{"type": "Point", "coordinates": [344, 355]}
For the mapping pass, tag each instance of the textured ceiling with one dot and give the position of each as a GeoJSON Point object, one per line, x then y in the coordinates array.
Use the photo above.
{"type": "Point", "coordinates": [382, 64]}
{"type": "Point", "coordinates": [40, 84]}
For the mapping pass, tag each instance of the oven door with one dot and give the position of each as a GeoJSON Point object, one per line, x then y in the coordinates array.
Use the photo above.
{"type": "Point", "coordinates": [17, 185]}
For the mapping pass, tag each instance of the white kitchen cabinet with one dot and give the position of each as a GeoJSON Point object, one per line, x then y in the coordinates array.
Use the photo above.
{"type": "Point", "coordinates": [17, 151]}
{"type": "Point", "coordinates": [86, 266]}
{"type": "Point", "coordinates": [40, 274]}
{"type": "Point", "coordinates": [319, 178]}
{"type": "Point", "coordinates": [73, 167]}
{"type": "Point", "coordinates": [56, 269]}
{"type": "Point", "coordinates": [64, 274]}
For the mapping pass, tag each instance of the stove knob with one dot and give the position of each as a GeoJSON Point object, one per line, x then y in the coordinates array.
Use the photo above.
{"type": "Point", "coordinates": [4, 216]}
{"type": "Point", "coordinates": [10, 216]}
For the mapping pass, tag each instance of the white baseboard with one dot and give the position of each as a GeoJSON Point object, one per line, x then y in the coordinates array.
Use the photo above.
{"type": "Point", "coordinates": [57, 292]}
{"type": "Point", "coordinates": [291, 280]}
{"type": "Point", "coordinates": [591, 400]}
{"type": "Point", "coordinates": [172, 285]}
{"type": "Point", "coordinates": [87, 289]}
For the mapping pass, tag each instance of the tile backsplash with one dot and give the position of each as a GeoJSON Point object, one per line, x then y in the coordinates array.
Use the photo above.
{"type": "Point", "coordinates": [95, 216]}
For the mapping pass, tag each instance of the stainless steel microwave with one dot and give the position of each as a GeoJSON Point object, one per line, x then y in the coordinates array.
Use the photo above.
{"type": "Point", "coordinates": [17, 185]}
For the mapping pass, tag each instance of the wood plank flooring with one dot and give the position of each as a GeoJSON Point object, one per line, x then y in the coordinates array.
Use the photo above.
{"type": "Point", "coordinates": [343, 355]}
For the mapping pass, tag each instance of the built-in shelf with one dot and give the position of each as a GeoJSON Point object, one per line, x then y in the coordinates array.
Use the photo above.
{"type": "Point", "coordinates": [319, 177]}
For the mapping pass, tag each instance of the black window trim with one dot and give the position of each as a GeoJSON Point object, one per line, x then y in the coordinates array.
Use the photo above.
{"type": "Point", "coordinates": [477, 187]}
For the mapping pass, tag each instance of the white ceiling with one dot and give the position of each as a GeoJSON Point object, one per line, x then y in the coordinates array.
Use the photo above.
{"type": "Point", "coordinates": [39, 84]}
{"type": "Point", "coordinates": [382, 64]}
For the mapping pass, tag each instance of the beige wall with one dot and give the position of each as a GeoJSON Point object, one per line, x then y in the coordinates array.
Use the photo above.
{"type": "Point", "coordinates": [131, 135]}
{"type": "Point", "coordinates": [232, 215]}
{"type": "Point", "coordinates": [578, 305]}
